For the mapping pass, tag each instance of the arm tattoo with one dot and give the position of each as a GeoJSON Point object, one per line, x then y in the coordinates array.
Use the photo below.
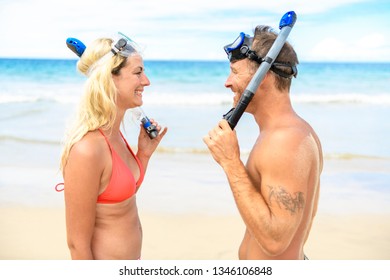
{"type": "Point", "coordinates": [290, 202]}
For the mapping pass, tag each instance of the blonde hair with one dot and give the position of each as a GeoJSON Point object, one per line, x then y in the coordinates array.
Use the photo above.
{"type": "Point", "coordinates": [97, 108]}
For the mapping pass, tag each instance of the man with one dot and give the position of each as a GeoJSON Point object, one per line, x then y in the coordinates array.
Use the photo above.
{"type": "Point", "coordinates": [277, 191]}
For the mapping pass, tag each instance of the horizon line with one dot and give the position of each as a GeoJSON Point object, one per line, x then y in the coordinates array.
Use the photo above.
{"type": "Point", "coordinates": [196, 60]}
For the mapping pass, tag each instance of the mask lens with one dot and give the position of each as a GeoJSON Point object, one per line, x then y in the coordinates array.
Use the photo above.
{"type": "Point", "coordinates": [125, 46]}
{"type": "Point", "coordinates": [236, 44]}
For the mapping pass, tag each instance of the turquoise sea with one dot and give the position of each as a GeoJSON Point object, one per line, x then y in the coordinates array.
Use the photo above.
{"type": "Point", "coordinates": [348, 104]}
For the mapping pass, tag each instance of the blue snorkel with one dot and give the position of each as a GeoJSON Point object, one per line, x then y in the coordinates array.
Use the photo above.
{"type": "Point", "coordinates": [286, 24]}
{"type": "Point", "coordinates": [76, 46]}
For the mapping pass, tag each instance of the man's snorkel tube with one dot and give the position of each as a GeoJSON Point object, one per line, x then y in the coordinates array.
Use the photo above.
{"type": "Point", "coordinates": [286, 24]}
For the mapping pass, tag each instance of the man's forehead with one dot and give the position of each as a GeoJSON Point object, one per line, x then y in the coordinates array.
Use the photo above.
{"type": "Point", "coordinates": [239, 64]}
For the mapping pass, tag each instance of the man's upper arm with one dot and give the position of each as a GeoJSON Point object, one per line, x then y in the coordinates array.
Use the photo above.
{"type": "Point", "coordinates": [285, 171]}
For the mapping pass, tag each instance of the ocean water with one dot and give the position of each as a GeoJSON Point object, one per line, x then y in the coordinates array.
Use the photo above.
{"type": "Point", "coordinates": [348, 104]}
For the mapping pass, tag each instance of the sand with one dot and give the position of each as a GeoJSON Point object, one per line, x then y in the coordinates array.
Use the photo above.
{"type": "Point", "coordinates": [39, 234]}
{"type": "Point", "coordinates": [188, 216]}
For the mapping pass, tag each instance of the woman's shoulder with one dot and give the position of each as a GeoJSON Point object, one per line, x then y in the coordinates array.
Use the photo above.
{"type": "Point", "coordinates": [91, 146]}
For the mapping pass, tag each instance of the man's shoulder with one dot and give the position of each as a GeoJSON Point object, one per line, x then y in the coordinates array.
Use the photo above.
{"type": "Point", "coordinates": [286, 135]}
{"type": "Point", "coordinates": [283, 142]}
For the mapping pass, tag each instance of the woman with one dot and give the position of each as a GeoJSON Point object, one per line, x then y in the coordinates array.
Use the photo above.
{"type": "Point", "coordinates": [101, 172]}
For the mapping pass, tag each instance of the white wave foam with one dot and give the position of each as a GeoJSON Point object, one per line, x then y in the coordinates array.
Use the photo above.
{"type": "Point", "coordinates": [199, 99]}
{"type": "Point", "coordinates": [4, 99]}
{"type": "Point", "coordinates": [188, 99]}
{"type": "Point", "coordinates": [223, 99]}
{"type": "Point", "coordinates": [374, 99]}
{"type": "Point", "coordinates": [14, 98]}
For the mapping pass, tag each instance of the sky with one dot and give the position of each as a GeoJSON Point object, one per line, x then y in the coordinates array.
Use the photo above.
{"type": "Point", "coordinates": [331, 30]}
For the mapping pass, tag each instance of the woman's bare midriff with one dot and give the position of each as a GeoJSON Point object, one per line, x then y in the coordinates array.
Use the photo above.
{"type": "Point", "coordinates": [118, 231]}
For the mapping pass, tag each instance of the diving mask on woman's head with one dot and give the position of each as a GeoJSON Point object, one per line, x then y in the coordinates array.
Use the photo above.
{"type": "Point", "coordinates": [122, 46]}
{"type": "Point", "coordinates": [241, 49]}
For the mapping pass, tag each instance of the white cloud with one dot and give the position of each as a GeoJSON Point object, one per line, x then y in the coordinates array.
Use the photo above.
{"type": "Point", "coordinates": [192, 29]}
{"type": "Point", "coordinates": [371, 47]}
{"type": "Point", "coordinates": [371, 41]}
{"type": "Point", "coordinates": [327, 49]}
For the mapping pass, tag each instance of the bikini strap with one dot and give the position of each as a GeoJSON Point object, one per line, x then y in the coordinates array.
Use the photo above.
{"type": "Point", "coordinates": [129, 148]}
{"type": "Point", "coordinates": [140, 166]}
{"type": "Point", "coordinates": [57, 187]}
{"type": "Point", "coordinates": [105, 137]}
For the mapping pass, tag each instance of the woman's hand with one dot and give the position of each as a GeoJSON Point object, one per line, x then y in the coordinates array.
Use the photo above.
{"type": "Point", "coordinates": [146, 145]}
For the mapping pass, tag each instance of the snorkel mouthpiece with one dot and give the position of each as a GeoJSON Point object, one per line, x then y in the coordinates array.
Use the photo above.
{"type": "Point", "coordinates": [150, 128]}
{"type": "Point", "coordinates": [139, 115]}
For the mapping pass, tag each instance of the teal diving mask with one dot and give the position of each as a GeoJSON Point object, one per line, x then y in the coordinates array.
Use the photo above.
{"type": "Point", "coordinates": [124, 46]}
